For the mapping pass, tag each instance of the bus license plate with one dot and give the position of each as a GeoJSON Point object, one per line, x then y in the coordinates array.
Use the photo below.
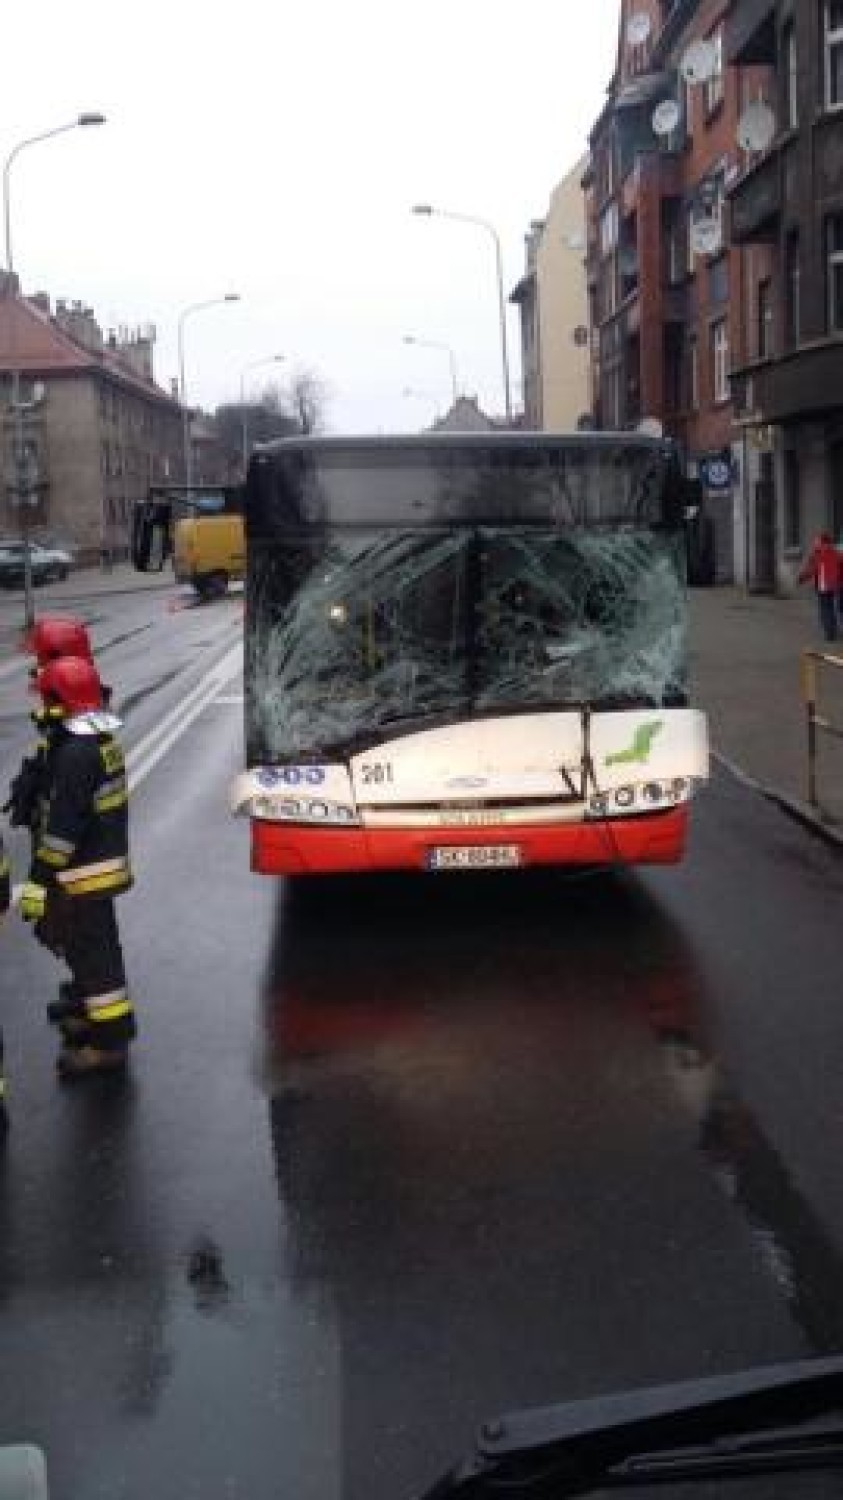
{"type": "Point", "coordinates": [475, 857]}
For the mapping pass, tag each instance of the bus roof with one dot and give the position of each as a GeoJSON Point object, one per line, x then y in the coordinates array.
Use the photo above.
{"type": "Point", "coordinates": [509, 441]}
{"type": "Point", "coordinates": [462, 479]}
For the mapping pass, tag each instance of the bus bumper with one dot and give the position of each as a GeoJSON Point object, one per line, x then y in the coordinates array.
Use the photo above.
{"type": "Point", "coordinates": [653, 839]}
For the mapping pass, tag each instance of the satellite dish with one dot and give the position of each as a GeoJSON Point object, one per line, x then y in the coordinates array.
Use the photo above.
{"type": "Point", "coordinates": [666, 117]}
{"type": "Point", "coordinates": [651, 427]}
{"type": "Point", "coordinates": [706, 236]}
{"type": "Point", "coordinates": [698, 62]}
{"type": "Point", "coordinates": [576, 241]}
{"type": "Point", "coordinates": [638, 28]}
{"type": "Point", "coordinates": [756, 127]}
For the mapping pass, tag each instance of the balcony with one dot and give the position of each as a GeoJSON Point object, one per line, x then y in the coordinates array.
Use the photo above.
{"type": "Point", "coordinates": [803, 384]}
{"type": "Point", "coordinates": [756, 202]}
{"type": "Point", "coordinates": [750, 38]}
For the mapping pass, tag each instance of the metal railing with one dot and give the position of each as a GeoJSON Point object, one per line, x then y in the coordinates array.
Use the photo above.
{"type": "Point", "coordinates": [812, 664]}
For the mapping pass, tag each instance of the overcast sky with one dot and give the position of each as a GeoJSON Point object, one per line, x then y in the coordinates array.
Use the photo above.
{"type": "Point", "coordinates": [275, 149]}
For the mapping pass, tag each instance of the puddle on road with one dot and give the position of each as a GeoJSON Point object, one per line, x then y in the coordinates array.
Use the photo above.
{"type": "Point", "coordinates": [791, 1241]}
{"type": "Point", "coordinates": [336, 1011]}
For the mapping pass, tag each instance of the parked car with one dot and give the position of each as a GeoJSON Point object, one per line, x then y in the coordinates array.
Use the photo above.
{"type": "Point", "coordinates": [49, 564]}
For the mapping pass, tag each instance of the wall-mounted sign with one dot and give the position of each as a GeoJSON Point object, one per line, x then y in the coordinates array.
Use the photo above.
{"type": "Point", "coordinates": [716, 471]}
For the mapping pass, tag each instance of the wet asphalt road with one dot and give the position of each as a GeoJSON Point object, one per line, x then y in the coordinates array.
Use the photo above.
{"type": "Point", "coordinates": [399, 1154]}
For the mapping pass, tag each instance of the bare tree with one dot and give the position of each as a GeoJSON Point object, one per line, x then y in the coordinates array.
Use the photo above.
{"type": "Point", "coordinates": [279, 412]}
{"type": "Point", "coordinates": [307, 397]}
{"type": "Point", "coordinates": [267, 418]}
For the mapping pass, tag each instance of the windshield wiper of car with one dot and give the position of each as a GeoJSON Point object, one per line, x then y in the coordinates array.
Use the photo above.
{"type": "Point", "coordinates": [786, 1418]}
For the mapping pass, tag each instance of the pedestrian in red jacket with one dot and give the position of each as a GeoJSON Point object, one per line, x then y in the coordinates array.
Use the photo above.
{"type": "Point", "coordinates": [824, 568]}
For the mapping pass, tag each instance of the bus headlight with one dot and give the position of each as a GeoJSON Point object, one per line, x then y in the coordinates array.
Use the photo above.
{"type": "Point", "coordinates": [650, 796]}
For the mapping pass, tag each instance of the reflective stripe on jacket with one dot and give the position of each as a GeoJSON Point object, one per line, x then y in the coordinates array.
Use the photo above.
{"type": "Point", "coordinates": [84, 843]}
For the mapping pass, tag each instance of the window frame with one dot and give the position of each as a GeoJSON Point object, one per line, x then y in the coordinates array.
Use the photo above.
{"type": "Point", "coordinates": [765, 319]}
{"type": "Point", "coordinates": [832, 41]}
{"type": "Point", "coordinates": [714, 89]}
{"type": "Point", "coordinates": [833, 267]}
{"type": "Point", "coordinates": [720, 351]}
{"type": "Point", "coordinates": [790, 75]}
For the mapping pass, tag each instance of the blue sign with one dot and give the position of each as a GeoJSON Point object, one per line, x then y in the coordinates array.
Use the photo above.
{"type": "Point", "coordinates": [716, 471]}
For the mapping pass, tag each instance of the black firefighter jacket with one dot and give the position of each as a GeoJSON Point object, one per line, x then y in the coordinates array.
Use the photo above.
{"type": "Point", "coordinates": [84, 841]}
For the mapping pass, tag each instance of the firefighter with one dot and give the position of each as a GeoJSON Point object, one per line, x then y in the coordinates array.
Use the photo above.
{"type": "Point", "coordinates": [50, 638]}
{"type": "Point", "coordinates": [5, 899]}
{"type": "Point", "coordinates": [80, 865]}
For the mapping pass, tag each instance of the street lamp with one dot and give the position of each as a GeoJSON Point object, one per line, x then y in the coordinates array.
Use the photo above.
{"type": "Point", "coordinates": [269, 359]}
{"type": "Point", "coordinates": [194, 307]}
{"type": "Point", "coordinates": [445, 349]}
{"type": "Point", "coordinates": [427, 211]}
{"type": "Point", "coordinates": [21, 487]}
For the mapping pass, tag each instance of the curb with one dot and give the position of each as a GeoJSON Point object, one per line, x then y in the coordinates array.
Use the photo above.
{"type": "Point", "coordinates": [96, 593]}
{"type": "Point", "coordinates": [800, 812]}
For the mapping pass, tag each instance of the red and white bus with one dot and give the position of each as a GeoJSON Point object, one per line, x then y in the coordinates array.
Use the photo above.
{"type": "Point", "coordinates": [467, 652]}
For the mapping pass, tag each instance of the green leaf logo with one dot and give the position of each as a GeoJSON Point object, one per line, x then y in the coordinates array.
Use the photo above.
{"type": "Point", "coordinates": [638, 753]}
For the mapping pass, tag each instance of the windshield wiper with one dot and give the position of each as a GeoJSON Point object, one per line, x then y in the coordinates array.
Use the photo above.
{"type": "Point", "coordinates": [786, 1418]}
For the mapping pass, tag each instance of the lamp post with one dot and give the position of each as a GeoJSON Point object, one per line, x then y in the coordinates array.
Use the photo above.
{"type": "Point", "coordinates": [21, 487]}
{"type": "Point", "coordinates": [445, 349]}
{"type": "Point", "coordinates": [187, 312]}
{"type": "Point", "coordinates": [255, 364]}
{"type": "Point", "coordinates": [427, 211]}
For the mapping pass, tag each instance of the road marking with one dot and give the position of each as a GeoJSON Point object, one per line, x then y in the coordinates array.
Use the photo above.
{"type": "Point", "coordinates": [143, 757]}
{"type": "Point", "coordinates": [230, 698]}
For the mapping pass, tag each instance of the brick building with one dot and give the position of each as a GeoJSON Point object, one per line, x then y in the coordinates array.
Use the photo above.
{"type": "Point", "coordinates": [100, 430]}
{"type": "Point", "coordinates": [787, 214]}
{"type": "Point", "coordinates": [667, 292]}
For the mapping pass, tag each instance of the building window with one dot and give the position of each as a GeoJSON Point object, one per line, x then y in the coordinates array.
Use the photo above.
{"type": "Point", "coordinates": [793, 289]}
{"type": "Point", "coordinates": [715, 87]}
{"type": "Point", "coordinates": [834, 272]}
{"type": "Point", "coordinates": [674, 244]}
{"type": "Point", "coordinates": [764, 328]}
{"type": "Point", "coordinates": [833, 44]}
{"type": "Point", "coordinates": [718, 281]}
{"type": "Point", "coordinates": [609, 224]}
{"type": "Point", "coordinates": [790, 63]}
{"type": "Point", "coordinates": [792, 501]}
{"type": "Point", "coordinates": [720, 360]}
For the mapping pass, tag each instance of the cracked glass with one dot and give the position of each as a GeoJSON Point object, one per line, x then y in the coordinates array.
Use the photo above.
{"type": "Point", "coordinates": [357, 635]}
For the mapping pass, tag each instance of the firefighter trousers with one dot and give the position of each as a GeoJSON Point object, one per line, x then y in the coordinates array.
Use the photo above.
{"type": "Point", "coordinates": [83, 931]}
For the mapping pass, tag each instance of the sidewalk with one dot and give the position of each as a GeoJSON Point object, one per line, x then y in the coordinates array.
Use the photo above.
{"type": "Point", "coordinates": [745, 666]}
{"type": "Point", "coordinates": [84, 586]}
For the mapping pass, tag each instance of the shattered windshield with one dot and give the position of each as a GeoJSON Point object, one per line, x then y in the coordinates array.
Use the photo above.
{"type": "Point", "coordinates": [356, 633]}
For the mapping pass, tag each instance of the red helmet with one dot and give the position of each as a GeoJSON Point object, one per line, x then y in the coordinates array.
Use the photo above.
{"type": "Point", "coordinates": [55, 636]}
{"type": "Point", "coordinates": [73, 683]}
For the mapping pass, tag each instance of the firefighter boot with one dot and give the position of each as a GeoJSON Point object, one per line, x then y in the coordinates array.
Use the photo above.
{"type": "Point", "coordinates": [68, 1014]}
{"type": "Point", "coordinates": [81, 1060]}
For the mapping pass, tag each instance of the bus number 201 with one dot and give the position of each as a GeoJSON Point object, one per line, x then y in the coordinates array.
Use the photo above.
{"type": "Point", "coordinates": [378, 774]}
